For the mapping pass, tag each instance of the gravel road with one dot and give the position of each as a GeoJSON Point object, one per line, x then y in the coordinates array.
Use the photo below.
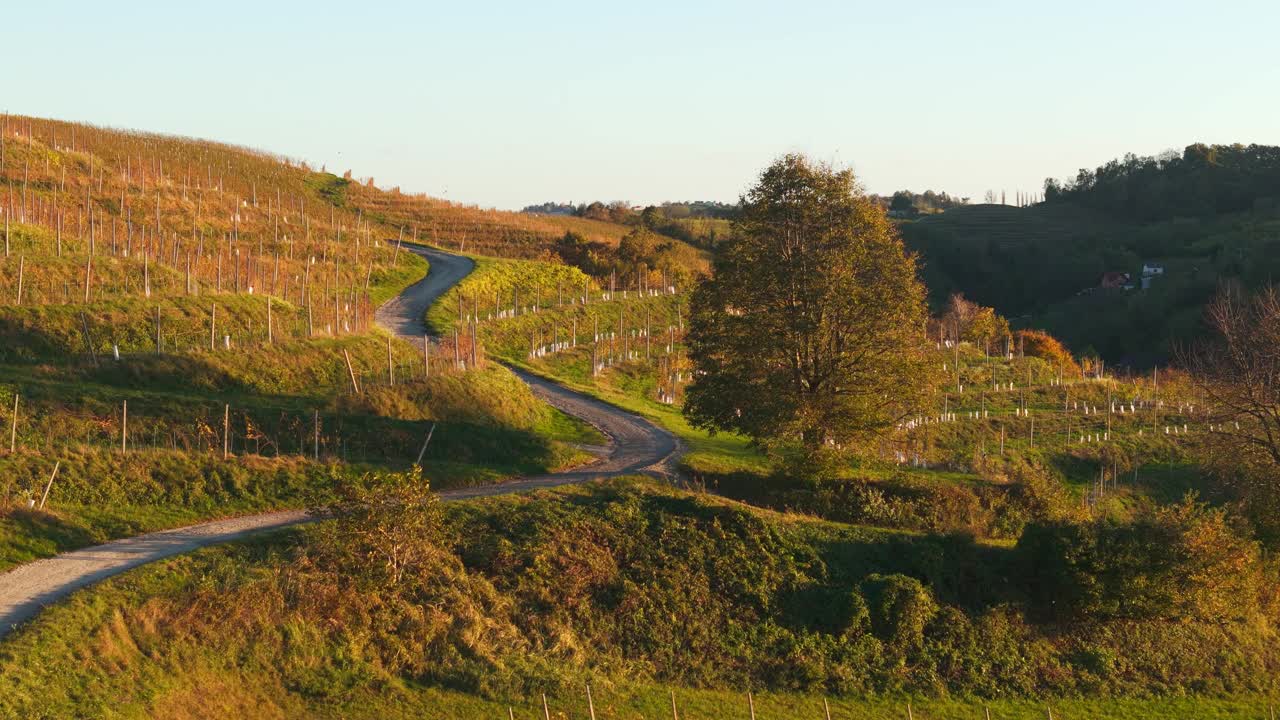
{"type": "Point", "coordinates": [636, 446]}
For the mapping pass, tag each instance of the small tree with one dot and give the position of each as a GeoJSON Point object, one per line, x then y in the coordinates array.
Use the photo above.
{"type": "Point", "coordinates": [811, 332]}
{"type": "Point", "coordinates": [385, 525]}
{"type": "Point", "coordinates": [1036, 343]}
{"type": "Point", "coordinates": [1238, 373]}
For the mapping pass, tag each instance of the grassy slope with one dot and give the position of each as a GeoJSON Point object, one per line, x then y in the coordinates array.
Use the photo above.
{"type": "Point", "coordinates": [160, 642]}
{"type": "Point", "coordinates": [491, 426]}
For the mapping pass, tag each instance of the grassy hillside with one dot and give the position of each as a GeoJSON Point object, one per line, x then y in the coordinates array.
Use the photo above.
{"type": "Point", "coordinates": [624, 586]}
{"type": "Point", "coordinates": [184, 327]}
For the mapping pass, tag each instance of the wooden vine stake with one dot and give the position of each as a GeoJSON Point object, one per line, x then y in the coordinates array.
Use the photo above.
{"type": "Point", "coordinates": [49, 485]}
{"type": "Point", "coordinates": [226, 431]}
{"type": "Point", "coordinates": [391, 371]}
{"type": "Point", "coordinates": [124, 426]}
{"type": "Point", "coordinates": [351, 372]}
{"type": "Point", "coordinates": [423, 452]}
{"type": "Point", "coordinates": [13, 427]}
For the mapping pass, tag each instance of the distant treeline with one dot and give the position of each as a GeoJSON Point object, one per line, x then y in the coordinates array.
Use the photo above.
{"type": "Point", "coordinates": [622, 212]}
{"type": "Point", "coordinates": [907, 203]}
{"type": "Point", "coordinates": [700, 222]}
{"type": "Point", "coordinates": [1203, 180]}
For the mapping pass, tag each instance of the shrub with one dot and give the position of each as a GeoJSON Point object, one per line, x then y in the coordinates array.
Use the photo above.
{"type": "Point", "coordinates": [1180, 562]}
{"type": "Point", "coordinates": [900, 609]}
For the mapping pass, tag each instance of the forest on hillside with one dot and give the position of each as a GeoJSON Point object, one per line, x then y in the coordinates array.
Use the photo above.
{"type": "Point", "coordinates": [1206, 218]}
{"type": "Point", "coordinates": [1203, 180]}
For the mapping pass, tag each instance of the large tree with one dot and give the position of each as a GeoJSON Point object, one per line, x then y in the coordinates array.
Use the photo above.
{"type": "Point", "coordinates": [812, 330]}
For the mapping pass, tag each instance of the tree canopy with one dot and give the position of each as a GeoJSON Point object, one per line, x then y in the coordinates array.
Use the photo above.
{"type": "Point", "coordinates": [811, 331]}
{"type": "Point", "coordinates": [1203, 180]}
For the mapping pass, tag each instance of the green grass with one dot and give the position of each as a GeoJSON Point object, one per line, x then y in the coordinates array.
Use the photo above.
{"type": "Point", "coordinates": [630, 386]}
{"type": "Point", "coordinates": [628, 702]}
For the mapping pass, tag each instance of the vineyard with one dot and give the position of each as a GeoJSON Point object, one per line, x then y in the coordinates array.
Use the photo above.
{"type": "Point", "coordinates": [186, 323]}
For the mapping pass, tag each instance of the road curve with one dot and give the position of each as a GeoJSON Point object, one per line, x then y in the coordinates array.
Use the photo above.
{"type": "Point", "coordinates": [636, 446]}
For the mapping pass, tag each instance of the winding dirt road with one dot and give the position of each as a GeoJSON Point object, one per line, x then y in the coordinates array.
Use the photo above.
{"type": "Point", "coordinates": [637, 446]}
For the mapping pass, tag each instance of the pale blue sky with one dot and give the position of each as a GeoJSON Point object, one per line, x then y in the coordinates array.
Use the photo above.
{"type": "Point", "coordinates": [507, 104]}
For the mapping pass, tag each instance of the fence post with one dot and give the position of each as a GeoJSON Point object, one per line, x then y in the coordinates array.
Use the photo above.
{"type": "Point", "coordinates": [124, 426]}
{"type": "Point", "coordinates": [226, 431]}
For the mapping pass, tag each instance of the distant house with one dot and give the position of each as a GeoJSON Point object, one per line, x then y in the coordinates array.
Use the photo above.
{"type": "Point", "coordinates": [1149, 273]}
{"type": "Point", "coordinates": [1114, 280]}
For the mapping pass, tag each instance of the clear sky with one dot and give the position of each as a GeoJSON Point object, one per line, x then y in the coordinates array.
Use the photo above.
{"type": "Point", "coordinates": [505, 104]}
